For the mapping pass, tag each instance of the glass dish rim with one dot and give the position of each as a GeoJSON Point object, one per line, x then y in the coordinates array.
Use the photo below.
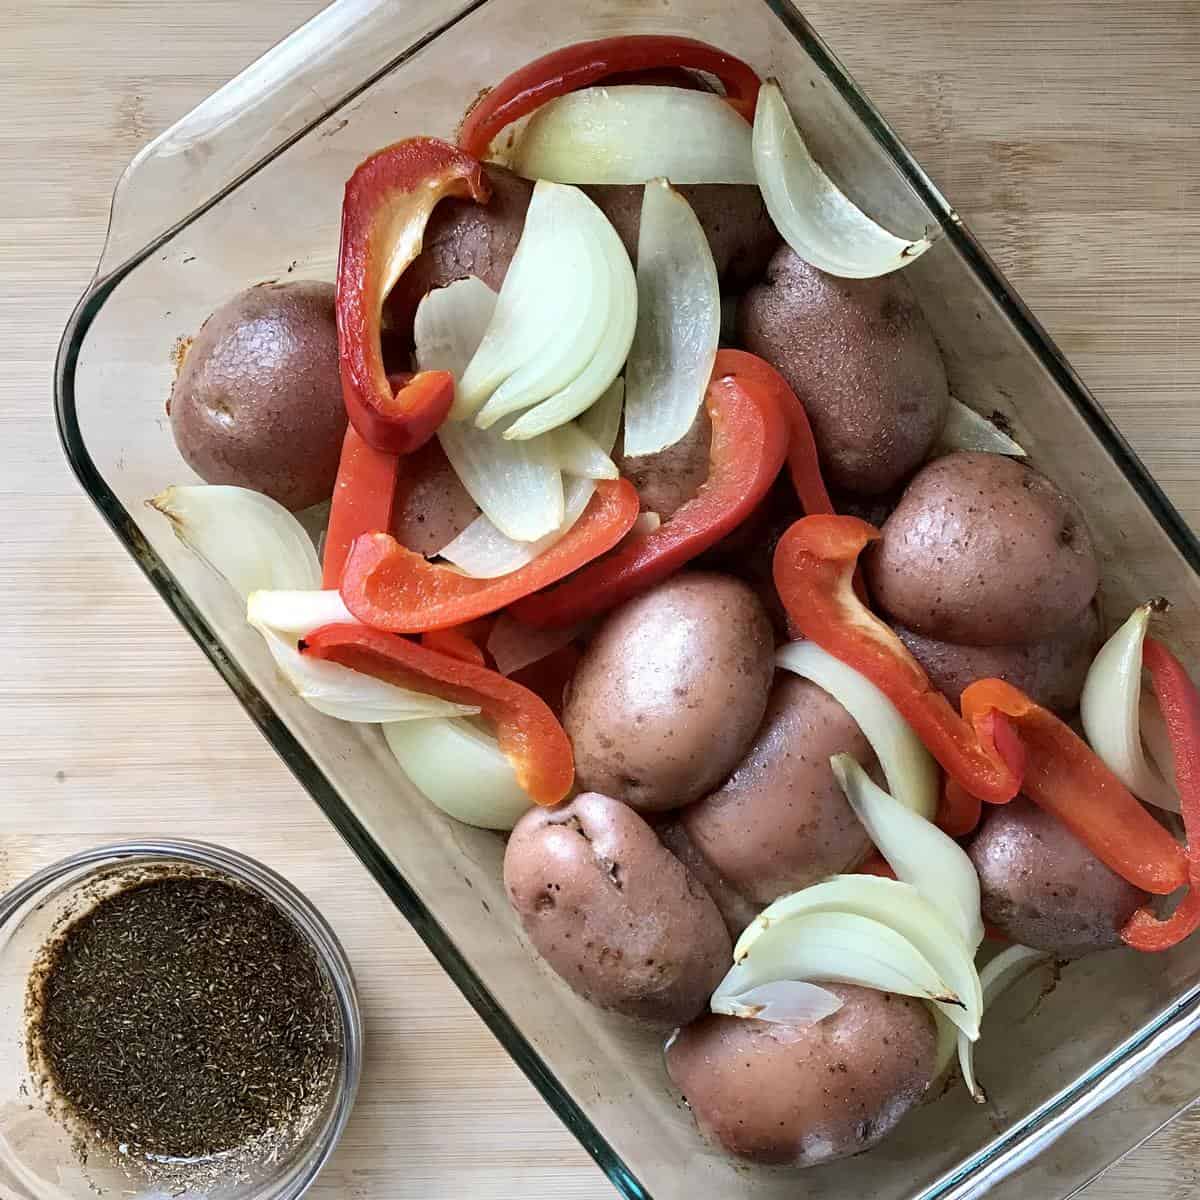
{"type": "Point", "coordinates": [292, 902]}
{"type": "Point", "coordinates": [994, 1159]}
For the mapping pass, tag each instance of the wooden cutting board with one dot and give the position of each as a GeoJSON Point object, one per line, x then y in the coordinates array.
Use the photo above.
{"type": "Point", "coordinates": [1065, 132]}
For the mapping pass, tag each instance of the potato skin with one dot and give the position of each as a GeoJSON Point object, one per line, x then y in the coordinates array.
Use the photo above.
{"type": "Point", "coordinates": [258, 399]}
{"type": "Point", "coordinates": [735, 909]}
{"type": "Point", "coordinates": [1050, 671]}
{"type": "Point", "coordinates": [670, 691]}
{"type": "Point", "coordinates": [861, 357]}
{"type": "Point", "coordinates": [983, 551]}
{"type": "Point", "coordinates": [432, 506]}
{"type": "Point", "coordinates": [781, 822]}
{"type": "Point", "coordinates": [1042, 887]}
{"type": "Point", "coordinates": [788, 1096]}
{"type": "Point", "coordinates": [666, 481]}
{"type": "Point", "coordinates": [613, 912]}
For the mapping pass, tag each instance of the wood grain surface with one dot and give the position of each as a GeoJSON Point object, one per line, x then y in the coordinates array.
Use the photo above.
{"type": "Point", "coordinates": [1065, 132]}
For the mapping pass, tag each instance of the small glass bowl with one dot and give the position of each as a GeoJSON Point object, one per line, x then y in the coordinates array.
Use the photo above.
{"type": "Point", "coordinates": [39, 1159]}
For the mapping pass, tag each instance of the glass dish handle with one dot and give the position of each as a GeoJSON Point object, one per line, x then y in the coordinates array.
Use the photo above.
{"type": "Point", "coordinates": [312, 72]}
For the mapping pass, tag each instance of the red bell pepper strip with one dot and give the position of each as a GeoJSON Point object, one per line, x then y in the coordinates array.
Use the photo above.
{"type": "Point", "coordinates": [814, 571]}
{"type": "Point", "coordinates": [1068, 780]}
{"type": "Point", "coordinates": [875, 864]}
{"type": "Point", "coordinates": [578, 66]}
{"type": "Point", "coordinates": [454, 644]}
{"type": "Point", "coordinates": [363, 497]}
{"type": "Point", "coordinates": [528, 732]}
{"type": "Point", "coordinates": [749, 441]}
{"type": "Point", "coordinates": [1179, 703]}
{"type": "Point", "coordinates": [387, 203]}
{"type": "Point", "coordinates": [958, 812]}
{"type": "Point", "coordinates": [388, 587]}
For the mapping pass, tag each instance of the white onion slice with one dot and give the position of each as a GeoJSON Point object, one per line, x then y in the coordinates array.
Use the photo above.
{"type": "Point", "coordinates": [483, 552]}
{"type": "Point", "coordinates": [513, 645]}
{"type": "Point", "coordinates": [598, 376]}
{"type": "Point", "coordinates": [1110, 709]}
{"type": "Point", "coordinates": [678, 324]}
{"type": "Point", "coordinates": [910, 769]}
{"type": "Point", "coordinates": [297, 612]}
{"type": "Point", "coordinates": [918, 851]}
{"type": "Point", "coordinates": [348, 695]}
{"type": "Point", "coordinates": [581, 455]}
{"type": "Point", "coordinates": [902, 908]}
{"type": "Point", "coordinates": [647, 522]}
{"type": "Point", "coordinates": [551, 285]}
{"type": "Point", "coordinates": [785, 1002]}
{"type": "Point", "coordinates": [249, 539]}
{"type": "Point", "coordinates": [631, 133]}
{"type": "Point", "coordinates": [837, 947]}
{"type": "Point", "coordinates": [517, 485]}
{"type": "Point", "coordinates": [820, 223]}
{"type": "Point", "coordinates": [965, 429]}
{"type": "Point", "coordinates": [461, 769]}
{"type": "Point", "coordinates": [602, 421]}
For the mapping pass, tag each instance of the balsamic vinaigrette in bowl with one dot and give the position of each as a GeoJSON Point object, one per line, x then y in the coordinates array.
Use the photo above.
{"type": "Point", "coordinates": [183, 1026]}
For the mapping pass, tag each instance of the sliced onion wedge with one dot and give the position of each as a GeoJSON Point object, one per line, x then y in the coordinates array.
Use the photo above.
{"type": "Point", "coordinates": [581, 455]}
{"type": "Point", "coordinates": [249, 539]}
{"type": "Point", "coordinates": [518, 485]}
{"type": "Point", "coordinates": [483, 552]}
{"type": "Point", "coordinates": [296, 612]}
{"type": "Point", "coordinates": [902, 908]}
{"type": "Point", "coordinates": [785, 1002]}
{"type": "Point", "coordinates": [837, 947]}
{"type": "Point", "coordinates": [348, 695]}
{"type": "Point", "coordinates": [820, 223]}
{"type": "Point", "coordinates": [965, 429]}
{"type": "Point", "coordinates": [513, 645]}
{"type": "Point", "coordinates": [1110, 708]}
{"type": "Point", "coordinates": [918, 851]}
{"type": "Point", "coordinates": [678, 323]}
{"type": "Point", "coordinates": [631, 133]}
{"type": "Point", "coordinates": [910, 769]}
{"type": "Point", "coordinates": [459, 768]}
{"type": "Point", "coordinates": [602, 421]}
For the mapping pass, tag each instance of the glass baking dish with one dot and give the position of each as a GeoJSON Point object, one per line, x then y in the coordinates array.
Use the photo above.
{"type": "Point", "coordinates": [248, 187]}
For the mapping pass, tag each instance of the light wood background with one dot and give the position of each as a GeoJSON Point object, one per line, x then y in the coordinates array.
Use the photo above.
{"type": "Point", "coordinates": [1067, 133]}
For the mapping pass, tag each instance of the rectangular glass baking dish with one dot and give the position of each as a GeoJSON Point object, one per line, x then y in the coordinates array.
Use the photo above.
{"type": "Point", "coordinates": [248, 187]}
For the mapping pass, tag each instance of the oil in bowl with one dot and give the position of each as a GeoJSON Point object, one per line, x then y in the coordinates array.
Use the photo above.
{"type": "Point", "coordinates": [188, 1027]}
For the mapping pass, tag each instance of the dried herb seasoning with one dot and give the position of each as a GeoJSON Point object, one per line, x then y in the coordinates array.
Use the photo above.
{"type": "Point", "coordinates": [183, 1017]}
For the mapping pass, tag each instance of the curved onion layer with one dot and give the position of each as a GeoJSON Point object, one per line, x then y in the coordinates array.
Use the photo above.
{"type": "Point", "coordinates": [631, 133]}
{"type": "Point", "coordinates": [513, 645]}
{"type": "Point", "coordinates": [518, 485]}
{"type": "Point", "coordinates": [348, 695]}
{"type": "Point", "coordinates": [581, 455]}
{"type": "Point", "coordinates": [902, 908]}
{"type": "Point", "coordinates": [918, 851]}
{"type": "Point", "coordinates": [837, 947]}
{"type": "Point", "coordinates": [786, 1002]}
{"type": "Point", "coordinates": [247, 538]}
{"type": "Point", "coordinates": [459, 768]}
{"type": "Point", "coordinates": [812, 214]}
{"type": "Point", "coordinates": [965, 429]}
{"type": "Point", "coordinates": [297, 613]}
{"type": "Point", "coordinates": [910, 769]}
{"type": "Point", "coordinates": [1110, 709]}
{"type": "Point", "coordinates": [552, 310]}
{"type": "Point", "coordinates": [483, 552]}
{"type": "Point", "coordinates": [597, 377]}
{"type": "Point", "coordinates": [602, 421]}
{"type": "Point", "coordinates": [678, 324]}
{"type": "Point", "coordinates": [1001, 973]}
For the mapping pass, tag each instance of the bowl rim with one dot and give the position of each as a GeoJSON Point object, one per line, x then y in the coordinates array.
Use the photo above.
{"type": "Point", "coordinates": [295, 906]}
{"type": "Point", "coordinates": [990, 1162]}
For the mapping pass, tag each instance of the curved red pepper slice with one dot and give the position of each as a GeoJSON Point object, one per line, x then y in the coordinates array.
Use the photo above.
{"type": "Point", "coordinates": [528, 732]}
{"type": "Point", "coordinates": [958, 812]}
{"type": "Point", "coordinates": [749, 441]}
{"type": "Point", "coordinates": [1065, 777]}
{"type": "Point", "coordinates": [388, 587]}
{"type": "Point", "coordinates": [1179, 703]}
{"type": "Point", "coordinates": [387, 204]}
{"type": "Point", "coordinates": [814, 571]}
{"type": "Point", "coordinates": [363, 497]}
{"type": "Point", "coordinates": [454, 644]}
{"type": "Point", "coordinates": [579, 66]}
